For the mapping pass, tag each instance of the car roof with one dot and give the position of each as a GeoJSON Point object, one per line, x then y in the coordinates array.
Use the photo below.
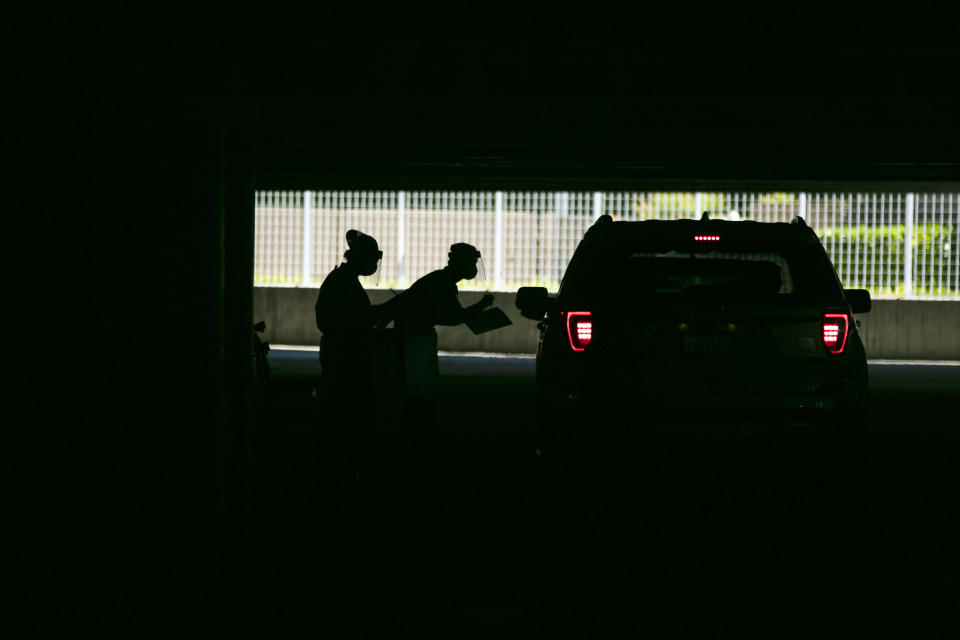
{"type": "Point", "coordinates": [607, 230]}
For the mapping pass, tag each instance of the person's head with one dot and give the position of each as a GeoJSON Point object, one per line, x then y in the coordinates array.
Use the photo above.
{"type": "Point", "coordinates": [363, 253]}
{"type": "Point", "coordinates": [462, 260]}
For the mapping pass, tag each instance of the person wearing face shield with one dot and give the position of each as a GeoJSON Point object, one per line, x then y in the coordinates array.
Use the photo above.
{"type": "Point", "coordinates": [430, 301]}
{"type": "Point", "coordinates": [346, 318]}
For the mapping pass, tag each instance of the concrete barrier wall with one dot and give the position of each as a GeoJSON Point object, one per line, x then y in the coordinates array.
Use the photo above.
{"type": "Point", "coordinates": [290, 319]}
{"type": "Point", "coordinates": [912, 329]}
{"type": "Point", "coordinates": [897, 329]}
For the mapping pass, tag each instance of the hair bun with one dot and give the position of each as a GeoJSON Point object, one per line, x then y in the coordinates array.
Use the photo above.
{"type": "Point", "coordinates": [352, 235]}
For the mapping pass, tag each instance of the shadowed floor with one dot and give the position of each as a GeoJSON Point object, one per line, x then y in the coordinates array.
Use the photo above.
{"type": "Point", "coordinates": [693, 537]}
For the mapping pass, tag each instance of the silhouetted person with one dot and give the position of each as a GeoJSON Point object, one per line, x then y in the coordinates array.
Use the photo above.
{"type": "Point", "coordinates": [346, 318]}
{"type": "Point", "coordinates": [430, 301]}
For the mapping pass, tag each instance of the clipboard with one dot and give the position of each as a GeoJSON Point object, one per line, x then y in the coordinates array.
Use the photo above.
{"type": "Point", "coordinates": [488, 320]}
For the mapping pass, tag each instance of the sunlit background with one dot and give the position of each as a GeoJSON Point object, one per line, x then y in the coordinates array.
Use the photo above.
{"type": "Point", "coordinates": [896, 245]}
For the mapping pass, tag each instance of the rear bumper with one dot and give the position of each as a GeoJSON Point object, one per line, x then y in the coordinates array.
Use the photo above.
{"type": "Point", "coordinates": [642, 439]}
{"type": "Point", "coordinates": [579, 419]}
{"type": "Point", "coordinates": [700, 403]}
{"type": "Point", "coordinates": [788, 387]}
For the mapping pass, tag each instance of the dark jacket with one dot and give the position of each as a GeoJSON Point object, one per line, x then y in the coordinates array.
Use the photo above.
{"type": "Point", "coordinates": [429, 301]}
{"type": "Point", "coordinates": [343, 307]}
{"type": "Point", "coordinates": [346, 318]}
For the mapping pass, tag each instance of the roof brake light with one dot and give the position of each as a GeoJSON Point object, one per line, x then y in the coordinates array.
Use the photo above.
{"type": "Point", "coordinates": [706, 238]}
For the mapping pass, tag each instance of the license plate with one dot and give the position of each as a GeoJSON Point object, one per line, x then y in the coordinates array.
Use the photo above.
{"type": "Point", "coordinates": [708, 344]}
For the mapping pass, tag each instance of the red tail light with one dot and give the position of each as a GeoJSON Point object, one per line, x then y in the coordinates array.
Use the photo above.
{"type": "Point", "coordinates": [835, 327]}
{"type": "Point", "coordinates": [706, 238]}
{"type": "Point", "coordinates": [579, 329]}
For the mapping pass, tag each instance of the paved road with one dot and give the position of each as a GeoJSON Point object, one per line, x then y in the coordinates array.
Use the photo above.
{"type": "Point", "coordinates": [715, 539]}
{"type": "Point", "coordinates": [685, 541]}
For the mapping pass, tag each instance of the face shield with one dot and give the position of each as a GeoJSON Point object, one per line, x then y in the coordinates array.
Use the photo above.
{"type": "Point", "coordinates": [481, 279]}
{"type": "Point", "coordinates": [468, 264]}
{"type": "Point", "coordinates": [369, 268]}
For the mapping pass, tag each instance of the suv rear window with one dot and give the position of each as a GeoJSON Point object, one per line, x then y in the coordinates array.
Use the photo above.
{"type": "Point", "coordinates": [785, 269]}
{"type": "Point", "coordinates": [674, 272]}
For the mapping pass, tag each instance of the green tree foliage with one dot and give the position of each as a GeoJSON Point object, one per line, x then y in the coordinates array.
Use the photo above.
{"type": "Point", "coordinates": [876, 253]}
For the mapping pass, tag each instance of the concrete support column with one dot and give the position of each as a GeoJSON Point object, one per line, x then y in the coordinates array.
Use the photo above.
{"type": "Point", "coordinates": [238, 211]}
{"type": "Point", "coordinates": [908, 247]}
{"type": "Point", "coordinates": [401, 239]}
{"type": "Point", "coordinates": [307, 237]}
{"type": "Point", "coordinates": [498, 262]}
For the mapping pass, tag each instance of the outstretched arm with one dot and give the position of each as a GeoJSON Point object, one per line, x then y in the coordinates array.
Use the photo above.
{"type": "Point", "coordinates": [451, 313]}
{"type": "Point", "coordinates": [386, 312]}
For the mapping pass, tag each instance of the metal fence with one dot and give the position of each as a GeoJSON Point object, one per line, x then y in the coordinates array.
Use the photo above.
{"type": "Point", "coordinates": [897, 245]}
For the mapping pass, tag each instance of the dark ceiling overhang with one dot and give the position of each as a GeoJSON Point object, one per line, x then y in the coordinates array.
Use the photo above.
{"type": "Point", "coordinates": [686, 95]}
{"type": "Point", "coordinates": [602, 142]}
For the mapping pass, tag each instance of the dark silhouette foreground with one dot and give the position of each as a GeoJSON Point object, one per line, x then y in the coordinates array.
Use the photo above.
{"type": "Point", "coordinates": [360, 356]}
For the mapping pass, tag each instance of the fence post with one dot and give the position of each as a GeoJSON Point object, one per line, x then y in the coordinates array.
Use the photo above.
{"type": "Point", "coordinates": [697, 205]}
{"type": "Point", "coordinates": [803, 206]}
{"type": "Point", "coordinates": [597, 205]}
{"type": "Point", "coordinates": [401, 237]}
{"type": "Point", "coordinates": [498, 283]}
{"type": "Point", "coordinates": [908, 248]}
{"type": "Point", "coordinates": [307, 239]}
